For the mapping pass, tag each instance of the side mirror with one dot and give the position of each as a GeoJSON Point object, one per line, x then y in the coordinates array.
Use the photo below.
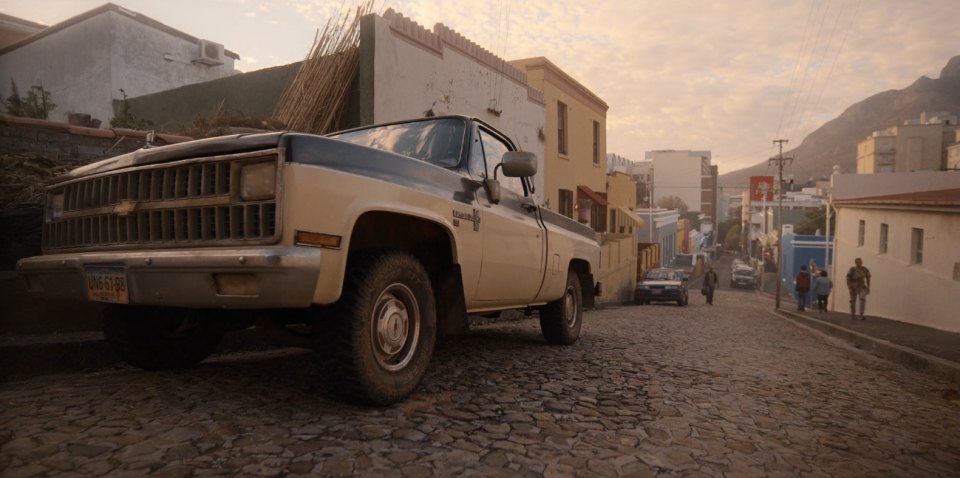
{"type": "Point", "coordinates": [493, 190]}
{"type": "Point", "coordinates": [517, 164]}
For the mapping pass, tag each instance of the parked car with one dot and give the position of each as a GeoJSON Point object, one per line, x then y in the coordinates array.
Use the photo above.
{"type": "Point", "coordinates": [662, 285]}
{"type": "Point", "coordinates": [743, 276]}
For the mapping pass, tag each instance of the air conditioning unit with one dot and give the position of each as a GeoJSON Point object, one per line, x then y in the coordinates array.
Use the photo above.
{"type": "Point", "coordinates": [211, 54]}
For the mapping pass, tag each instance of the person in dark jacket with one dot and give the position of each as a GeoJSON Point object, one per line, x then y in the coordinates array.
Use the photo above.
{"type": "Point", "coordinates": [802, 281]}
{"type": "Point", "coordinates": [710, 283]}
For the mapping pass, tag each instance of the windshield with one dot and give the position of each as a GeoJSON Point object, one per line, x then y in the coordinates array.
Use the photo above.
{"type": "Point", "coordinates": [437, 142]}
{"type": "Point", "coordinates": [661, 275]}
{"type": "Point", "coordinates": [743, 272]}
{"type": "Point", "coordinates": [683, 260]}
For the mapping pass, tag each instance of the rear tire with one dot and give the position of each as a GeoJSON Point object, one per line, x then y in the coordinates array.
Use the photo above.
{"type": "Point", "coordinates": [160, 338]}
{"type": "Point", "coordinates": [375, 345]}
{"type": "Point", "coordinates": [561, 319]}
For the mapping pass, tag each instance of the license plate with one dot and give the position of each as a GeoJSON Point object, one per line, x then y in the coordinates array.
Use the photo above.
{"type": "Point", "coordinates": [107, 284]}
{"type": "Point", "coordinates": [656, 291]}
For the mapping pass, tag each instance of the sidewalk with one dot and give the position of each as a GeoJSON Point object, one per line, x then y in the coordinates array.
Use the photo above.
{"type": "Point", "coordinates": [914, 346]}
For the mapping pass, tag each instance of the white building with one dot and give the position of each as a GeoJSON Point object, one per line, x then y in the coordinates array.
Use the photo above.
{"type": "Point", "coordinates": [416, 71]}
{"type": "Point", "coordinates": [681, 174]}
{"type": "Point", "coordinates": [85, 61]}
{"type": "Point", "coordinates": [906, 228]}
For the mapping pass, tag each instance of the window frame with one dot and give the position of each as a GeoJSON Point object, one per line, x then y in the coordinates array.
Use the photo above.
{"type": "Point", "coordinates": [884, 238]}
{"type": "Point", "coordinates": [596, 143]}
{"type": "Point", "coordinates": [861, 233]}
{"type": "Point", "coordinates": [916, 246]}
{"type": "Point", "coordinates": [563, 128]}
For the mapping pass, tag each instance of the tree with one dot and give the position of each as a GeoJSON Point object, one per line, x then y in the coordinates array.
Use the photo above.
{"type": "Point", "coordinates": [125, 117]}
{"type": "Point", "coordinates": [731, 241]}
{"type": "Point", "coordinates": [36, 104]}
{"type": "Point", "coordinates": [672, 202]}
{"type": "Point", "coordinates": [724, 227]}
{"type": "Point", "coordinates": [815, 219]}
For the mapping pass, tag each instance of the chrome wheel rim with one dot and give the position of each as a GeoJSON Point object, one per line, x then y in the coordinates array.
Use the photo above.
{"type": "Point", "coordinates": [396, 327]}
{"type": "Point", "coordinates": [570, 306]}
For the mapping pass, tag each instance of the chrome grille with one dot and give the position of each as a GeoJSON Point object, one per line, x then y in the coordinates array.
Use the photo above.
{"type": "Point", "coordinates": [184, 204]}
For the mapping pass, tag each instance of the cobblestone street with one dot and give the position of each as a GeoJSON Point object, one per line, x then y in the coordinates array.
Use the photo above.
{"type": "Point", "coordinates": [728, 390]}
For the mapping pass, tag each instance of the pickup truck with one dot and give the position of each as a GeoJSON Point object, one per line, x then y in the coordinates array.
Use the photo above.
{"type": "Point", "coordinates": [366, 245]}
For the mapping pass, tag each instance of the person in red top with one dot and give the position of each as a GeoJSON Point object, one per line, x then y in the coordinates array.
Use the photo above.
{"type": "Point", "coordinates": [803, 288]}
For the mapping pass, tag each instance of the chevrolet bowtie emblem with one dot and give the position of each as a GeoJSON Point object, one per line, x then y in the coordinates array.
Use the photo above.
{"type": "Point", "coordinates": [125, 207]}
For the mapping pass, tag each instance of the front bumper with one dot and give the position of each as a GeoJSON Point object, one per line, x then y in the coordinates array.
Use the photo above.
{"type": "Point", "coordinates": [654, 295]}
{"type": "Point", "coordinates": [238, 278]}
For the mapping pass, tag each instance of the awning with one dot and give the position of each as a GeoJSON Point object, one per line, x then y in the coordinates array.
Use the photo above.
{"type": "Point", "coordinates": [585, 191]}
{"type": "Point", "coordinates": [633, 216]}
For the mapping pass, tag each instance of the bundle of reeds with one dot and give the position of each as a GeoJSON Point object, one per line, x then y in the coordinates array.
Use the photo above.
{"type": "Point", "coordinates": [314, 101]}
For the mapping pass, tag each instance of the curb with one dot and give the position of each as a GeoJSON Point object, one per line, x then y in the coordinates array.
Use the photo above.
{"type": "Point", "coordinates": [908, 357]}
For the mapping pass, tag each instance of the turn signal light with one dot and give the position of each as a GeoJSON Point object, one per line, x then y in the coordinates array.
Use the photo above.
{"type": "Point", "coordinates": [316, 239]}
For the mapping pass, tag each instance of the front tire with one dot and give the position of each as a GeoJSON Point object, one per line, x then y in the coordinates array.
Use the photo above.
{"type": "Point", "coordinates": [160, 338]}
{"type": "Point", "coordinates": [561, 319]}
{"type": "Point", "coordinates": [375, 346]}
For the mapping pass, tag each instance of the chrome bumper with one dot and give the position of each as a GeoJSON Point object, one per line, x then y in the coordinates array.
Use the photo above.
{"type": "Point", "coordinates": [241, 278]}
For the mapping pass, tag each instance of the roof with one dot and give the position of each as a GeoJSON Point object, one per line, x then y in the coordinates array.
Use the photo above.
{"type": "Point", "coordinates": [941, 197]}
{"type": "Point", "coordinates": [109, 133]}
{"type": "Point", "coordinates": [592, 195]}
{"type": "Point", "coordinates": [107, 7]}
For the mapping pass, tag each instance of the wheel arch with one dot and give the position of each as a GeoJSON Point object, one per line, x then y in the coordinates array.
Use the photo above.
{"type": "Point", "coordinates": [582, 268]}
{"type": "Point", "coordinates": [431, 243]}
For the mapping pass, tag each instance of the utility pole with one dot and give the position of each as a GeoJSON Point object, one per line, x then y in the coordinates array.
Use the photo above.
{"type": "Point", "coordinates": [779, 222]}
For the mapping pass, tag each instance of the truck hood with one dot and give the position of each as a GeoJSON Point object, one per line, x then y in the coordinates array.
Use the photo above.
{"type": "Point", "coordinates": [237, 143]}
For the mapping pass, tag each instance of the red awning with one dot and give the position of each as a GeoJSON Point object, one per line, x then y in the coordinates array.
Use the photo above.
{"type": "Point", "coordinates": [585, 191]}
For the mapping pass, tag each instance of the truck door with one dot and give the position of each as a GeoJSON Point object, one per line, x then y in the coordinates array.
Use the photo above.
{"type": "Point", "coordinates": [513, 236]}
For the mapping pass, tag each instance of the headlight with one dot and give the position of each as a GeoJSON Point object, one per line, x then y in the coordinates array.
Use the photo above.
{"type": "Point", "coordinates": [55, 206]}
{"type": "Point", "coordinates": [258, 181]}
{"type": "Point", "coordinates": [643, 287]}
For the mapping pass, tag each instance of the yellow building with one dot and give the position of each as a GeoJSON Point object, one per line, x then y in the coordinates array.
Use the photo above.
{"type": "Point", "coordinates": [621, 204]}
{"type": "Point", "coordinates": [575, 149]}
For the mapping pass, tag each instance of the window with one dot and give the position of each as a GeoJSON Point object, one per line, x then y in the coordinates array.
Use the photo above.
{"type": "Point", "coordinates": [561, 128]}
{"type": "Point", "coordinates": [613, 220]}
{"type": "Point", "coordinates": [596, 142]}
{"type": "Point", "coordinates": [862, 233]}
{"type": "Point", "coordinates": [566, 203]}
{"type": "Point", "coordinates": [883, 238]}
{"type": "Point", "coordinates": [916, 246]}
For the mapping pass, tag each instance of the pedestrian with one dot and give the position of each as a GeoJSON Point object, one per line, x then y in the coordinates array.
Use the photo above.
{"type": "Point", "coordinates": [710, 283]}
{"type": "Point", "coordinates": [802, 280]}
{"type": "Point", "coordinates": [822, 287]}
{"type": "Point", "coordinates": [858, 281]}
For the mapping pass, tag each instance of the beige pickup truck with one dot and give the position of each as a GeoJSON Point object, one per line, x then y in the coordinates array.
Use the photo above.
{"type": "Point", "coordinates": [379, 239]}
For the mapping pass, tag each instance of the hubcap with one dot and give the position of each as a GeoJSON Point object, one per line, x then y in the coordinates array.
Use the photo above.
{"type": "Point", "coordinates": [396, 327]}
{"type": "Point", "coordinates": [570, 306]}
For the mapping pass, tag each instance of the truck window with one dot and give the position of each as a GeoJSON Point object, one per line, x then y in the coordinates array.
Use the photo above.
{"type": "Point", "coordinates": [438, 142]}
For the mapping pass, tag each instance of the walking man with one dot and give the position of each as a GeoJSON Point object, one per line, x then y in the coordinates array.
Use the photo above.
{"type": "Point", "coordinates": [858, 281]}
{"type": "Point", "coordinates": [803, 288]}
{"type": "Point", "coordinates": [821, 288]}
{"type": "Point", "coordinates": [710, 283]}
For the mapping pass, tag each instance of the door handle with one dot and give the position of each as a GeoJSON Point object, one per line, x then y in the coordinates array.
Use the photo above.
{"type": "Point", "coordinates": [528, 207]}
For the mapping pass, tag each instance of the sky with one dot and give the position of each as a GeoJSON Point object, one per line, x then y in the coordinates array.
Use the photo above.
{"type": "Point", "coordinates": [728, 76]}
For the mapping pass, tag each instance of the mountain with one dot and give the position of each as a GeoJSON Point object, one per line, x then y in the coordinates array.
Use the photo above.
{"type": "Point", "coordinates": [835, 143]}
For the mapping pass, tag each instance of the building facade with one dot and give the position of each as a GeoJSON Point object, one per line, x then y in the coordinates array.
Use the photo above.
{"type": "Point", "coordinates": [917, 145]}
{"type": "Point", "coordinates": [905, 228]}
{"type": "Point", "coordinates": [85, 61]}
{"type": "Point", "coordinates": [575, 151]}
{"type": "Point", "coordinates": [687, 175]}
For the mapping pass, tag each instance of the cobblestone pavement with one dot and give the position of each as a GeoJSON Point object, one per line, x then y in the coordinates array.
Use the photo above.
{"type": "Point", "coordinates": [655, 390]}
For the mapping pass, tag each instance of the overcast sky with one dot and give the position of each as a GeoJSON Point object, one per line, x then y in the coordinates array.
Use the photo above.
{"type": "Point", "coordinates": [727, 76]}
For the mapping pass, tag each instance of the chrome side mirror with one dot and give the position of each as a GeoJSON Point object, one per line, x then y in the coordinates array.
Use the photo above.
{"type": "Point", "coordinates": [517, 164]}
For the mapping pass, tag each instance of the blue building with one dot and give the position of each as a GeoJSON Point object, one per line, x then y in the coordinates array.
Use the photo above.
{"type": "Point", "coordinates": [796, 251]}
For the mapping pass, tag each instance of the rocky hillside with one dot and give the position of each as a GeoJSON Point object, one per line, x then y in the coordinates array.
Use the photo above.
{"type": "Point", "coordinates": [836, 141]}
